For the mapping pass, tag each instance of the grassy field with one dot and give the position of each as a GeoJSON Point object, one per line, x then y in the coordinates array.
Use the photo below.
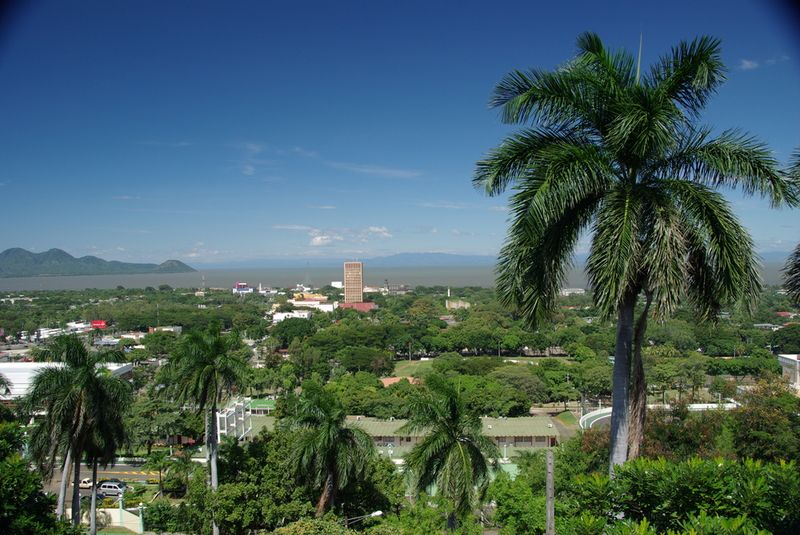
{"type": "Point", "coordinates": [409, 368]}
{"type": "Point", "coordinates": [567, 418]}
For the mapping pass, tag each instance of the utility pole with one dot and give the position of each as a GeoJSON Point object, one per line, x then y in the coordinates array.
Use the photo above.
{"type": "Point", "coordinates": [550, 521]}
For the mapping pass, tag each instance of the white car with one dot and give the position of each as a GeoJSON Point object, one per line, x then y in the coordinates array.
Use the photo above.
{"type": "Point", "coordinates": [86, 483]}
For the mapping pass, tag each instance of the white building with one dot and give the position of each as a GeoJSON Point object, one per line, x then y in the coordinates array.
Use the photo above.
{"type": "Point", "coordinates": [278, 317]}
{"type": "Point", "coordinates": [20, 375]}
{"type": "Point", "coordinates": [790, 366]}
{"type": "Point", "coordinates": [337, 284]}
{"type": "Point", "coordinates": [234, 421]}
{"type": "Point", "coordinates": [242, 288]}
{"type": "Point", "coordinates": [571, 291]}
{"type": "Point", "coordinates": [322, 306]}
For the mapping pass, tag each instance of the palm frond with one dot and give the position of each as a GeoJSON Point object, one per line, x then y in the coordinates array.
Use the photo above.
{"type": "Point", "coordinates": [613, 266]}
{"type": "Point", "coordinates": [690, 74]}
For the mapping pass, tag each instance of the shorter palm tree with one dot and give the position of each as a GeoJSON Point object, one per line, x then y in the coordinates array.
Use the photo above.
{"type": "Point", "coordinates": [454, 455]}
{"type": "Point", "coordinates": [792, 269]}
{"type": "Point", "coordinates": [82, 404]}
{"type": "Point", "coordinates": [203, 370]}
{"type": "Point", "coordinates": [328, 452]}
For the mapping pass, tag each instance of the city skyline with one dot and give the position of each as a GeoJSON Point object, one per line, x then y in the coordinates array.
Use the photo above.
{"type": "Point", "coordinates": [141, 132]}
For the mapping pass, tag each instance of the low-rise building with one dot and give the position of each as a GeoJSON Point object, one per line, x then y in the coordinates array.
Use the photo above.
{"type": "Point", "coordinates": [316, 305]}
{"type": "Point", "coordinates": [235, 420]}
{"type": "Point", "coordinates": [278, 317]}
{"type": "Point", "coordinates": [456, 304]}
{"type": "Point", "coordinates": [20, 375]}
{"type": "Point", "coordinates": [790, 368]}
{"type": "Point", "coordinates": [511, 435]}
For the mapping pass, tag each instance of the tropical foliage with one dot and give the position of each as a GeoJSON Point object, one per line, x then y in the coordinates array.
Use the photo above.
{"type": "Point", "coordinates": [327, 451]}
{"type": "Point", "coordinates": [203, 370]}
{"type": "Point", "coordinates": [454, 455]}
{"type": "Point", "coordinates": [82, 404]}
{"type": "Point", "coordinates": [619, 153]}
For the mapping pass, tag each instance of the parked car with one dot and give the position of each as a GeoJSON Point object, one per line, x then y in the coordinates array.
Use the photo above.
{"type": "Point", "coordinates": [109, 488]}
{"type": "Point", "coordinates": [86, 483]}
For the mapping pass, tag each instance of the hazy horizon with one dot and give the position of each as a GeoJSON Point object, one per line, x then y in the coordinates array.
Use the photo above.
{"type": "Point", "coordinates": [283, 277]}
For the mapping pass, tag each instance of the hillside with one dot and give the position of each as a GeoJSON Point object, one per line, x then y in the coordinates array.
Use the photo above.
{"type": "Point", "coordinates": [18, 262]}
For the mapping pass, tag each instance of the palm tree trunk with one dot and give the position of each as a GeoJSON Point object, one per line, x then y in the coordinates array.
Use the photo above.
{"type": "Point", "coordinates": [93, 513]}
{"type": "Point", "coordinates": [211, 443]}
{"type": "Point", "coordinates": [62, 487]}
{"type": "Point", "coordinates": [328, 495]}
{"type": "Point", "coordinates": [76, 490]}
{"type": "Point", "coordinates": [622, 372]}
{"type": "Point", "coordinates": [638, 393]}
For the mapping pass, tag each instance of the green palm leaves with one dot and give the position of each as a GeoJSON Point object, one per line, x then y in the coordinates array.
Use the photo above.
{"type": "Point", "coordinates": [792, 269]}
{"type": "Point", "coordinates": [454, 454]}
{"type": "Point", "coordinates": [616, 155]}
{"type": "Point", "coordinates": [83, 405]}
{"type": "Point", "coordinates": [327, 451]}
{"type": "Point", "coordinates": [202, 371]}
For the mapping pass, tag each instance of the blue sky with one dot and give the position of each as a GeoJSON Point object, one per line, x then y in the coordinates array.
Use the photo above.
{"type": "Point", "coordinates": [222, 132]}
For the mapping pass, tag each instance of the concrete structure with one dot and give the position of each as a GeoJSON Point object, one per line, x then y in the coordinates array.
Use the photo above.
{"type": "Point", "coordinates": [20, 375]}
{"type": "Point", "coordinates": [337, 284]}
{"type": "Point", "coordinates": [235, 420]}
{"type": "Point", "coordinates": [278, 317]}
{"type": "Point", "coordinates": [353, 282]}
{"type": "Point", "coordinates": [603, 416]}
{"type": "Point", "coordinates": [456, 304]}
{"type": "Point", "coordinates": [790, 367]}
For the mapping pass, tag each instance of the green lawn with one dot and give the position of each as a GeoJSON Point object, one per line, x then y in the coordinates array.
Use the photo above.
{"type": "Point", "coordinates": [409, 368]}
{"type": "Point", "coordinates": [567, 418]}
{"type": "Point", "coordinates": [116, 531]}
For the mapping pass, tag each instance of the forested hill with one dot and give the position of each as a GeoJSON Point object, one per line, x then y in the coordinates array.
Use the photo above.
{"type": "Point", "coordinates": [18, 262]}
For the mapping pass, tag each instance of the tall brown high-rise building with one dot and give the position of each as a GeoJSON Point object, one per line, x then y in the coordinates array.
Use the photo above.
{"type": "Point", "coordinates": [353, 282]}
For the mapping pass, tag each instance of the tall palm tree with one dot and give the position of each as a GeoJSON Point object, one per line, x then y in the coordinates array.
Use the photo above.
{"type": "Point", "coordinates": [327, 450]}
{"type": "Point", "coordinates": [792, 269]}
{"type": "Point", "coordinates": [203, 371]}
{"type": "Point", "coordinates": [108, 433]}
{"type": "Point", "coordinates": [618, 154]}
{"type": "Point", "coordinates": [454, 455]}
{"type": "Point", "coordinates": [81, 401]}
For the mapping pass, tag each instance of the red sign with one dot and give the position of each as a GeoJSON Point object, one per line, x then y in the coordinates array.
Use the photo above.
{"type": "Point", "coordinates": [99, 324]}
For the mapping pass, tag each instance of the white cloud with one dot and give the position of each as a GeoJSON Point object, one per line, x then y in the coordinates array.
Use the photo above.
{"type": "Point", "coordinates": [126, 197]}
{"type": "Point", "coordinates": [382, 232]}
{"type": "Point", "coordinates": [748, 65]}
{"type": "Point", "coordinates": [253, 148]}
{"type": "Point", "coordinates": [322, 206]}
{"type": "Point", "coordinates": [305, 152]}
{"type": "Point", "coordinates": [498, 208]}
{"type": "Point", "coordinates": [444, 205]}
{"type": "Point", "coordinates": [248, 169]}
{"type": "Point", "coordinates": [317, 241]}
{"type": "Point", "coordinates": [375, 170]}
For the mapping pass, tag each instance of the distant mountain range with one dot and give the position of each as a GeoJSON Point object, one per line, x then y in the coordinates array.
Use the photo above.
{"type": "Point", "coordinates": [18, 262]}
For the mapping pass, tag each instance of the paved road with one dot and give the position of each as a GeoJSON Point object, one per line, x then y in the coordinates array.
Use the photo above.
{"type": "Point", "coordinates": [124, 472]}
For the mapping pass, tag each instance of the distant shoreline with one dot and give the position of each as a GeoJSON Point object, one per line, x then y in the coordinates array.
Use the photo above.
{"type": "Point", "coordinates": [454, 276]}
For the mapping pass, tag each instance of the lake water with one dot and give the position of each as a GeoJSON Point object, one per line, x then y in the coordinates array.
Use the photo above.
{"type": "Point", "coordinates": [287, 277]}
